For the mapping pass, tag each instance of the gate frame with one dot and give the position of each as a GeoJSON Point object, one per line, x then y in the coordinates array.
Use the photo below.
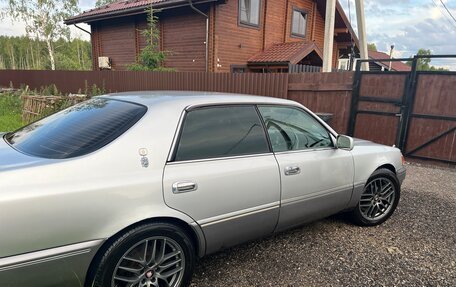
{"type": "Point", "coordinates": [406, 103]}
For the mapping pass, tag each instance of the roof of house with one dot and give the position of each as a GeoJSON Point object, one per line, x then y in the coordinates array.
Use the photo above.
{"type": "Point", "coordinates": [395, 66]}
{"type": "Point", "coordinates": [123, 7]}
{"type": "Point", "coordinates": [291, 53]}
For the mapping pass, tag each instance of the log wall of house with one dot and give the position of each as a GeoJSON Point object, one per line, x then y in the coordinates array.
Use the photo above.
{"type": "Point", "coordinates": [241, 42]}
{"type": "Point", "coordinates": [95, 46]}
{"type": "Point", "coordinates": [274, 28]}
{"type": "Point", "coordinates": [183, 35]}
{"type": "Point", "coordinates": [235, 43]}
{"type": "Point", "coordinates": [116, 38]}
{"type": "Point", "coordinates": [141, 25]}
{"type": "Point", "coordinates": [319, 31]}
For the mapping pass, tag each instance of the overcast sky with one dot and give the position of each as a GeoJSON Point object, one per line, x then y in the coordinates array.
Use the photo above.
{"type": "Point", "coordinates": [408, 24]}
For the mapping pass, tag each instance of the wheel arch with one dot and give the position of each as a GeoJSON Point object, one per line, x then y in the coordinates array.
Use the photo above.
{"type": "Point", "coordinates": [194, 232]}
{"type": "Point", "coordinates": [363, 179]}
{"type": "Point", "coordinates": [387, 166]}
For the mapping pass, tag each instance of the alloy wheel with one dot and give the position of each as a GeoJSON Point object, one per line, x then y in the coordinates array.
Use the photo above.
{"type": "Point", "coordinates": [153, 262]}
{"type": "Point", "coordinates": [377, 199]}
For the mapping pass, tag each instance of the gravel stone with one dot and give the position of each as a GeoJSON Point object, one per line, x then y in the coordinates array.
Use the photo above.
{"type": "Point", "coordinates": [415, 247]}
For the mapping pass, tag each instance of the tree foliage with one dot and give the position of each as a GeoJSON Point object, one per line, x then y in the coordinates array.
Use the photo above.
{"type": "Point", "coordinates": [424, 64]}
{"type": "Point", "coordinates": [150, 58]}
{"type": "Point", "coordinates": [43, 19]}
{"type": "Point", "coordinates": [372, 47]}
{"type": "Point", "coordinates": [30, 54]}
{"type": "Point", "coordinates": [100, 3]}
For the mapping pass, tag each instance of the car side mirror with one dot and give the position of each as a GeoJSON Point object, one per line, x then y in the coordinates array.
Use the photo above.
{"type": "Point", "coordinates": [345, 142]}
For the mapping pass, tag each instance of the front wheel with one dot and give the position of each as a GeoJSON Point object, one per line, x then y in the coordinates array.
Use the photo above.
{"type": "Point", "coordinates": [152, 255]}
{"type": "Point", "coordinates": [378, 200]}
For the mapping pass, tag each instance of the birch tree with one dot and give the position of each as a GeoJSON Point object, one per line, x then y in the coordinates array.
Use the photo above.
{"type": "Point", "coordinates": [43, 19]}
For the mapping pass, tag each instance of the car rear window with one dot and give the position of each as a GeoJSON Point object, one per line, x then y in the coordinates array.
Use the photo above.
{"type": "Point", "coordinates": [78, 130]}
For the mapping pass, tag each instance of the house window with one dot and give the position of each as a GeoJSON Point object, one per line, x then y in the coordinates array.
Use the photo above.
{"type": "Point", "coordinates": [249, 12]}
{"type": "Point", "coordinates": [238, 69]}
{"type": "Point", "coordinates": [299, 23]}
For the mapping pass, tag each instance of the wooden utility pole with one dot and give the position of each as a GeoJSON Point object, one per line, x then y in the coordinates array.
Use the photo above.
{"type": "Point", "coordinates": [329, 35]}
{"type": "Point", "coordinates": [362, 34]}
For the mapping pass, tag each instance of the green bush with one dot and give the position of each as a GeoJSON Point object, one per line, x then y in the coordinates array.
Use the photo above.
{"type": "Point", "coordinates": [10, 112]}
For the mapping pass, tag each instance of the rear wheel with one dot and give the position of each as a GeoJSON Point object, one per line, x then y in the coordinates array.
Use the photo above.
{"type": "Point", "coordinates": [155, 255]}
{"type": "Point", "coordinates": [378, 200]}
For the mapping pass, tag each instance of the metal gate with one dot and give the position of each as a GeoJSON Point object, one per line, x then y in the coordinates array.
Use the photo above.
{"type": "Point", "coordinates": [416, 110]}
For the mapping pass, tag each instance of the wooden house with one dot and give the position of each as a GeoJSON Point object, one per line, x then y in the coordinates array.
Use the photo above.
{"type": "Point", "coordinates": [219, 35]}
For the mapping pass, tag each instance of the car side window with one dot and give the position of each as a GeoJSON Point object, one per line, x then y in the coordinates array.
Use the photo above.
{"type": "Point", "coordinates": [293, 129]}
{"type": "Point", "coordinates": [213, 132]}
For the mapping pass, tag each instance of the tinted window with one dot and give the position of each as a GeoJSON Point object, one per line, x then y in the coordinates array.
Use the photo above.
{"type": "Point", "coordinates": [249, 12]}
{"type": "Point", "coordinates": [293, 129]}
{"type": "Point", "coordinates": [78, 130]}
{"type": "Point", "coordinates": [299, 23]}
{"type": "Point", "coordinates": [220, 132]}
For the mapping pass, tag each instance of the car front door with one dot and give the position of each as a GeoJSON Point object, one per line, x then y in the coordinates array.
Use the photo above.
{"type": "Point", "coordinates": [317, 178]}
{"type": "Point", "coordinates": [224, 175]}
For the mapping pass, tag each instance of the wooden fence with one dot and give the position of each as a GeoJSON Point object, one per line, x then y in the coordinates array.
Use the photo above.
{"type": "Point", "coordinates": [35, 107]}
{"type": "Point", "coordinates": [334, 88]}
{"type": "Point", "coordinates": [324, 93]}
{"type": "Point", "coordinates": [321, 92]}
{"type": "Point", "coordinates": [272, 85]}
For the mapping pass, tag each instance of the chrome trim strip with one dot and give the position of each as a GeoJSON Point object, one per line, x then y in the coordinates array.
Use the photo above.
{"type": "Point", "coordinates": [32, 258]}
{"type": "Point", "coordinates": [289, 103]}
{"type": "Point", "coordinates": [316, 194]}
{"type": "Point", "coordinates": [359, 184]}
{"type": "Point", "coordinates": [219, 158]}
{"type": "Point", "coordinates": [305, 150]}
{"type": "Point", "coordinates": [238, 214]}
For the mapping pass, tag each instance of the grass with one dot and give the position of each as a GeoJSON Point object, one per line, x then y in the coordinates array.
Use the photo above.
{"type": "Point", "coordinates": [10, 112]}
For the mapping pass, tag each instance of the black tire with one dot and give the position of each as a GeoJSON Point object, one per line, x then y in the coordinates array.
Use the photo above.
{"type": "Point", "coordinates": [104, 271]}
{"type": "Point", "coordinates": [357, 215]}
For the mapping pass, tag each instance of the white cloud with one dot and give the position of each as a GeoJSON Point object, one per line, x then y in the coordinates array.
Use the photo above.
{"type": "Point", "coordinates": [436, 13]}
{"type": "Point", "coordinates": [8, 28]}
{"type": "Point", "coordinates": [410, 25]}
{"type": "Point", "coordinates": [17, 28]}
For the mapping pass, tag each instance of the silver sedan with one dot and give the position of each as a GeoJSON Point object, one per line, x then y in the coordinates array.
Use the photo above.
{"type": "Point", "coordinates": [130, 189]}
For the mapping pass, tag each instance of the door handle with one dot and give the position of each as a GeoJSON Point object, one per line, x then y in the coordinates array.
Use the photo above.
{"type": "Point", "coordinates": [184, 186]}
{"type": "Point", "coordinates": [292, 170]}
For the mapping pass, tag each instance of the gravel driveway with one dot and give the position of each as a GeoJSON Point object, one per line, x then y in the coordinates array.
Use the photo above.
{"type": "Point", "coordinates": [415, 247]}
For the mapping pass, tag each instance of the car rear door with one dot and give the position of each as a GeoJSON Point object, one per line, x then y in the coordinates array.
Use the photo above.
{"type": "Point", "coordinates": [223, 174]}
{"type": "Point", "coordinates": [317, 178]}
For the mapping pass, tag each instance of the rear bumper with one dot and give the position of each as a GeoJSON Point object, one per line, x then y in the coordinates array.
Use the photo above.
{"type": "Point", "coordinates": [401, 175]}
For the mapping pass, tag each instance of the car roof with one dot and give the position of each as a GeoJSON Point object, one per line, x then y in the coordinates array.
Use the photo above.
{"type": "Point", "coordinates": [187, 98]}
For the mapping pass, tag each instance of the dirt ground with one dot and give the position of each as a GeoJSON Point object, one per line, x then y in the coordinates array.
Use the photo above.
{"type": "Point", "coordinates": [415, 247]}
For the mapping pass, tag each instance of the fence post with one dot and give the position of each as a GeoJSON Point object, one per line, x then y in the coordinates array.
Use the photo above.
{"type": "Point", "coordinates": [407, 108]}
{"type": "Point", "coordinates": [354, 100]}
